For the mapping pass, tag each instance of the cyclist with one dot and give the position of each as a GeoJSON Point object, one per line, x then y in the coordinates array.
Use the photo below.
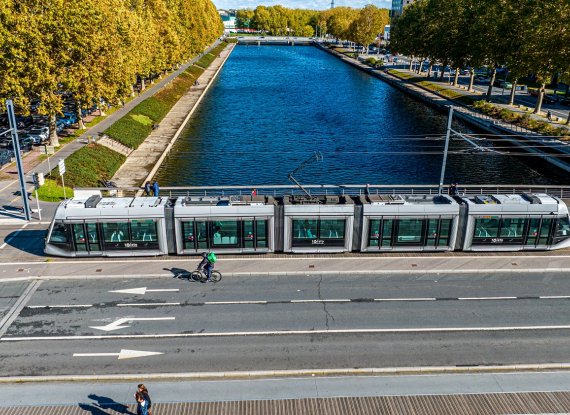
{"type": "Point", "coordinates": [207, 263]}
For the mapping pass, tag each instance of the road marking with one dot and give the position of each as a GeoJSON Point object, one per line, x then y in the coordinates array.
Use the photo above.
{"type": "Point", "coordinates": [13, 236]}
{"type": "Point", "coordinates": [11, 184]}
{"type": "Point", "coordinates": [123, 354]}
{"type": "Point", "coordinates": [18, 306]}
{"type": "Point", "coordinates": [407, 299]}
{"type": "Point", "coordinates": [144, 290]}
{"type": "Point", "coordinates": [340, 300]}
{"type": "Point", "coordinates": [487, 298]}
{"type": "Point", "coordinates": [294, 333]}
{"type": "Point", "coordinates": [61, 306]}
{"type": "Point", "coordinates": [146, 304]}
{"type": "Point", "coordinates": [554, 297]}
{"type": "Point", "coordinates": [233, 302]}
{"type": "Point", "coordinates": [119, 324]}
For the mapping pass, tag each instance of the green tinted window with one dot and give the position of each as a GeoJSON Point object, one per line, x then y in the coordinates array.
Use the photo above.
{"type": "Point", "coordinates": [143, 231]}
{"type": "Point", "coordinates": [332, 229]}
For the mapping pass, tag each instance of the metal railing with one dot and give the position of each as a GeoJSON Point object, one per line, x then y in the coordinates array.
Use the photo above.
{"type": "Point", "coordinates": [336, 190]}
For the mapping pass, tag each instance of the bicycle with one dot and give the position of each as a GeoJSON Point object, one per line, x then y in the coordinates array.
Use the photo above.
{"type": "Point", "coordinates": [200, 275]}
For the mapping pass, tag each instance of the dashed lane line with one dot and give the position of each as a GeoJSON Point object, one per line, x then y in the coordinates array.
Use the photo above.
{"type": "Point", "coordinates": [317, 301]}
{"type": "Point", "coordinates": [292, 333]}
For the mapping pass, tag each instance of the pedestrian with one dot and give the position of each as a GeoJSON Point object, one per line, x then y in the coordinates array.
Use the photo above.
{"type": "Point", "coordinates": [141, 388]}
{"type": "Point", "coordinates": [254, 192]}
{"type": "Point", "coordinates": [549, 115]}
{"type": "Point", "coordinates": [142, 404]}
{"type": "Point", "coordinates": [147, 188]}
{"type": "Point", "coordinates": [155, 188]}
{"type": "Point", "coordinates": [453, 189]}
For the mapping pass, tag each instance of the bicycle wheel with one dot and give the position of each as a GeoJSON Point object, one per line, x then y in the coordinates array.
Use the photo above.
{"type": "Point", "coordinates": [216, 276]}
{"type": "Point", "coordinates": [198, 276]}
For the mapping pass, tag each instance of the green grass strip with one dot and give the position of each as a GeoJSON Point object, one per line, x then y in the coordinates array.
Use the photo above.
{"type": "Point", "coordinates": [51, 191]}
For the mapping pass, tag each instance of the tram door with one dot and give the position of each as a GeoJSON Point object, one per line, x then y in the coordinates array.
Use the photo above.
{"type": "Point", "coordinates": [86, 237]}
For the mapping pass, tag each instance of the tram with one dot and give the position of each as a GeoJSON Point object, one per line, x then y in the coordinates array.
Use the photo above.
{"type": "Point", "coordinates": [151, 226]}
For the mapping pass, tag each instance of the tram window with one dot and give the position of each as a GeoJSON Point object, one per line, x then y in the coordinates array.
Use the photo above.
{"type": "Point", "coordinates": [248, 234]}
{"type": "Point", "coordinates": [188, 235]}
{"type": "Point", "coordinates": [225, 233]}
{"type": "Point", "coordinates": [544, 236]}
{"type": "Point", "coordinates": [202, 234]}
{"type": "Point", "coordinates": [444, 231]}
{"type": "Point", "coordinates": [374, 232]}
{"type": "Point", "coordinates": [304, 228]}
{"type": "Point", "coordinates": [562, 229]}
{"type": "Point", "coordinates": [512, 228]}
{"type": "Point", "coordinates": [432, 232]}
{"type": "Point", "coordinates": [486, 228]}
{"type": "Point", "coordinates": [533, 226]}
{"type": "Point", "coordinates": [332, 229]}
{"type": "Point", "coordinates": [115, 233]}
{"type": "Point", "coordinates": [410, 231]}
{"type": "Point", "coordinates": [59, 235]}
{"type": "Point", "coordinates": [261, 226]}
{"type": "Point", "coordinates": [79, 237]}
{"type": "Point", "coordinates": [143, 231]}
{"type": "Point", "coordinates": [387, 226]}
{"type": "Point", "coordinates": [93, 237]}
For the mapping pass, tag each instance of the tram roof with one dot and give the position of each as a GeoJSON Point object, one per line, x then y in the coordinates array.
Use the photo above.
{"type": "Point", "coordinates": [513, 199]}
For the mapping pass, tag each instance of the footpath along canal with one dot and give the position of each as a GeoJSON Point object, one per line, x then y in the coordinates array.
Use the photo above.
{"type": "Point", "coordinates": [271, 107]}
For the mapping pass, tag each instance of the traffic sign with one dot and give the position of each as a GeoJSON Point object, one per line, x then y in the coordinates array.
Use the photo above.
{"type": "Point", "coordinates": [61, 166]}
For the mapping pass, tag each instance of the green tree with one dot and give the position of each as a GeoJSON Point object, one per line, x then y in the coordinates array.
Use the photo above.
{"type": "Point", "coordinates": [369, 24]}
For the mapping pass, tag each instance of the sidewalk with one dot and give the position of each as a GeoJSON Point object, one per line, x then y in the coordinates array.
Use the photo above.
{"type": "Point", "coordinates": [422, 394]}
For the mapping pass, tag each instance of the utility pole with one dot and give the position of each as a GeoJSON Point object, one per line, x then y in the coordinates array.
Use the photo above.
{"type": "Point", "coordinates": [332, 4]}
{"type": "Point", "coordinates": [447, 134]}
{"type": "Point", "coordinates": [18, 156]}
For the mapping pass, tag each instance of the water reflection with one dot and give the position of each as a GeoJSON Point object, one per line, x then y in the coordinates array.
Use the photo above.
{"type": "Point", "coordinates": [271, 107]}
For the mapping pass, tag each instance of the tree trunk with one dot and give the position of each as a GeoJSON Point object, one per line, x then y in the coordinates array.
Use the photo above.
{"type": "Point", "coordinates": [471, 79]}
{"type": "Point", "coordinates": [53, 139]}
{"type": "Point", "coordinates": [513, 91]}
{"type": "Point", "coordinates": [443, 65]}
{"type": "Point", "coordinates": [568, 119]}
{"type": "Point", "coordinates": [143, 87]}
{"type": "Point", "coordinates": [132, 90]}
{"type": "Point", "coordinates": [80, 124]}
{"type": "Point", "coordinates": [411, 64]}
{"type": "Point", "coordinates": [490, 89]}
{"type": "Point", "coordinates": [456, 77]}
{"type": "Point", "coordinates": [429, 70]}
{"type": "Point", "coordinates": [538, 107]}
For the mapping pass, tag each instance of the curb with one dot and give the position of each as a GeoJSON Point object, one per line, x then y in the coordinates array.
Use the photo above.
{"type": "Point", "coordinates": [261, 374]}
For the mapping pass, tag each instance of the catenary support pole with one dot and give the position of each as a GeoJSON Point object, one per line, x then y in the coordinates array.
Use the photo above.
{"type": "Point", "coordinates": [447, 134]}
{"type": "Point", "coordinates": [18, 156]}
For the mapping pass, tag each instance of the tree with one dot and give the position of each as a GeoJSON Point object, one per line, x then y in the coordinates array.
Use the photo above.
{"type": "Point", "coordinates": [369, 24]}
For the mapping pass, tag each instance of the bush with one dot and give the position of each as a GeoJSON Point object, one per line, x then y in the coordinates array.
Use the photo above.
{"type": "Point", "coordinates": [89, 165]}
{"type": "Point", "coordinates": [52, 192]}
{"type": "Point", "coordinates": [132, 129]}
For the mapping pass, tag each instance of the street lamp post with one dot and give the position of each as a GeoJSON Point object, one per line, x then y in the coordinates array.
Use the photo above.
{"type": "Point", "coordinates": [17, 155]}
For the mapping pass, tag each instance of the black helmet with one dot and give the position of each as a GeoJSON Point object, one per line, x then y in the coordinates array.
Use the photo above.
{"type": "Point", "coordinates": [204, 254]}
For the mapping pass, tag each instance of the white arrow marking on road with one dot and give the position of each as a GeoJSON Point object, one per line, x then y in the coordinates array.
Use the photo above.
{"type": "Point", "coordinates": [119, 324]}
{"type": "Point", "coordinates": [123, 354]}
{"type": "Point", "coordinates": [143, 290]}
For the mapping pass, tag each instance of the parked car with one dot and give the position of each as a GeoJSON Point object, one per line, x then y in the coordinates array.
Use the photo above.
{"type": "Point", "coordinates": [550, 99]}
{"type": "Point", "coordinates": [565, 101]}
{"type": "Point", "coordinates": [39, 134]}
{"type": "Point", "coordinates": [68, 118]}
{"type": "Point", "coordinates": [482, 80]}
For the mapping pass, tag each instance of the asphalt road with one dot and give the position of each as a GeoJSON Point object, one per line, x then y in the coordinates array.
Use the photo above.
{"type": "Point", "coordinates": [289, 323]}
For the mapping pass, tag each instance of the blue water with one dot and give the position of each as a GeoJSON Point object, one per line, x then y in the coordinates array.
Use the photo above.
{"type": "Point", "coordinates": [271, 107]}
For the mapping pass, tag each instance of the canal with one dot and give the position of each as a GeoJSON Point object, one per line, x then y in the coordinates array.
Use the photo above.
{"type": "Point", "coordinates": [271, 107]}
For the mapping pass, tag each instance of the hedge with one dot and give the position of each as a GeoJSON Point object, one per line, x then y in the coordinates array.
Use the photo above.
{"type": "Point", "coordinates": [89, 165]}
{"type": "Point", "coordinates": [132, 130]}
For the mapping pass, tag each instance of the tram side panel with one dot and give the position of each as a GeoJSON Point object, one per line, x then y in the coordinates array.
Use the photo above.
{"type": "Point", "coordinates": [512, 227]}
{"type": "Point", "coordinates": [410, 227]}
{"type": "Point", "coordinates": [224, 229]}
{"type": "Point", "coordinates": [115, 228]}
{"type": "Point", "coordinates": [318, 228]}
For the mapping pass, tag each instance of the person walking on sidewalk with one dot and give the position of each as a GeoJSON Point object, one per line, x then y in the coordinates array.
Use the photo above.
{"type": "Point", "coordinates": [142, 404]}
{"type": "Point", "coordinates": [141, 388]}
{"type": "Point", "coordinates": [147, 188]}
